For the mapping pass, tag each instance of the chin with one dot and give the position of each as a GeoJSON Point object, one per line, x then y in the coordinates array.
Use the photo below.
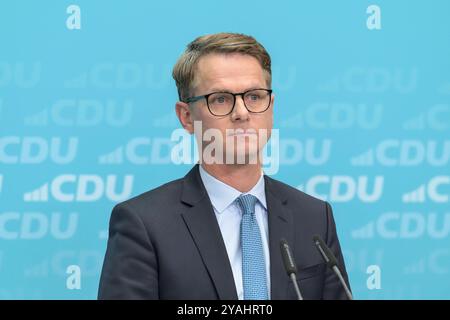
{"type": "Point", "coordinates": [244, 156]}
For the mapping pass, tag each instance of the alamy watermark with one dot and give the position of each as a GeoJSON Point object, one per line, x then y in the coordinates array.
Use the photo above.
{"type": "Point", "coordinates": [234, 146]}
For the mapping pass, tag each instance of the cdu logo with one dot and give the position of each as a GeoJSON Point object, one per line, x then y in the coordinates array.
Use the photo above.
{"type": "Point", "coordinates": [82, 188]}
{"type": "Point", "coordinates": [357, 79]}
{"type": "Point", "coordinates": [20, 74]}
{"type": "Point", "coordinates": [123, 76]}
{"type": "Point", "coordinates": [84, 113]}
{"type": "Point", "coordinates": [37, 225]}
{"type": "Point", "coordinates": [344, 188]}
{"type": "Point", "coordinates": [435, 118]}
{"type": "Point", "coordinates": [337, 116]}
{"type": "Point", "coordinates": [407, 225]}
{"type": "Point", "coordinates": [36, 150]}
{"type": "Point", "coordinates": [405, 153]}
{"type": "Point", "coordinates": [431, 191]}
{"type": "Point", "coordinates": [311, 151]}
{"type": "Point", "coordinates": [140, 151]}
{"type": "Point", "coordinates": [436, 262]}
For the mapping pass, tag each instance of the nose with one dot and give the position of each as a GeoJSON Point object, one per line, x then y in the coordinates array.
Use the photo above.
{"type": "Point", "coordinates": [240, 112]}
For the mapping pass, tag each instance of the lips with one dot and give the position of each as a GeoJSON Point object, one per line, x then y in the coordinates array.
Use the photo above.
{"type": "Point", "coordinates": [241, 133]}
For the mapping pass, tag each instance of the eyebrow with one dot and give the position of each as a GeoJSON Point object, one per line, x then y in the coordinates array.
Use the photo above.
{"type": "Point", "coordinates": [221, 89]}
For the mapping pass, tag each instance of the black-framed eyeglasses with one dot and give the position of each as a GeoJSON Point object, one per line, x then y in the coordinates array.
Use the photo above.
{"type": "Point", "coordinates": [222, 103]}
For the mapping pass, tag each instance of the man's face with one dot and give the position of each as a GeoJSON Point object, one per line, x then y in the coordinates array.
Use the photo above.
{"type": "Point", "coordinates": [233, 73]}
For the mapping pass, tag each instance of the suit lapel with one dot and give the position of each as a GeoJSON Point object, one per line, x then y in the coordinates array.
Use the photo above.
{"type": "Point", "coordinates": [280, 226]}
{"type": "Point", "coordinates": [202, 224]}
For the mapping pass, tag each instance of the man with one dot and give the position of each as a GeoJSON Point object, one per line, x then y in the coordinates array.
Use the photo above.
{"type": "Point", "coordinates": [215, 234]}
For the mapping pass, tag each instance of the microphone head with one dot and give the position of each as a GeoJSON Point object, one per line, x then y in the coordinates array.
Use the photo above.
{"type": "Point", "coordinates": [288, 257]}
{"type": "Point", "coordinates": [326, 253]}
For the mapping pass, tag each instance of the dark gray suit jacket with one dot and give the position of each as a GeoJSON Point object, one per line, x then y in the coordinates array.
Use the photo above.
{"type": "Point", "coordinates": [166, 244]}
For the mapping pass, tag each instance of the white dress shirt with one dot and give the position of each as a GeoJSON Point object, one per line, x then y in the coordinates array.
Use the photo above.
{"type": "Point", "coordinates": [228, 214]}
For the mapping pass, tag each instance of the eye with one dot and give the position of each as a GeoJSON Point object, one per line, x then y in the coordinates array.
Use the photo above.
{"type": "Point", "coordinates": [253, 97]}
{"type": "Point", "coordinates": [220, 98]}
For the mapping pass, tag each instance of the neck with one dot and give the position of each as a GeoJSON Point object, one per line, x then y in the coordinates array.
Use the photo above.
{"type": "Point", "coordinates": [240, 177]}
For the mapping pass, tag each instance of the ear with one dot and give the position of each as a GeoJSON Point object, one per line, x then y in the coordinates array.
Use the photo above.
{"type": "Point", "coordinates": [184, 116]}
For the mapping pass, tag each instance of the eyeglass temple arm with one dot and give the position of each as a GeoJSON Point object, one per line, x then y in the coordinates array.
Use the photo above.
{"type": "Point", "coordinates": [194, 99]}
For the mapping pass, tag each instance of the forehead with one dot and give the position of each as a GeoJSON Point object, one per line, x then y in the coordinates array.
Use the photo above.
{"type": "Point", "coordinates": [231, 71]}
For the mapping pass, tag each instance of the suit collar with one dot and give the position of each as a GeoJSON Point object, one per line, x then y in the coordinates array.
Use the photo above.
{"type": "Point", "coordinates": [280, 227]}
{"type": "Point", "coordinates": [202, 224]}
{"type": "Point", "coordinates": [193, 189]}
{"type": "Point", "coordinates": [223, 195]}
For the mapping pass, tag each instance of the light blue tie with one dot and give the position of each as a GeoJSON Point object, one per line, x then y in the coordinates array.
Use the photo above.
{"type": "Point", "coordinates": [253, 263]}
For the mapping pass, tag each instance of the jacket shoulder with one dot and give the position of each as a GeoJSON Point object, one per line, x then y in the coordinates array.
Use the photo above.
{"type": "Point", "coordinates": [162, 196]}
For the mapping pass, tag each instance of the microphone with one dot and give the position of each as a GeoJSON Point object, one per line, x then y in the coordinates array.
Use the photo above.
{"type": "Point", "coordinates": [331, 261]}
{"type": "Point", "coordinates": [290, 266]}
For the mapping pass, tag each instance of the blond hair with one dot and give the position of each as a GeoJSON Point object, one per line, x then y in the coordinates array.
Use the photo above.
{"type": "Point", "coordinates": [184, 70]}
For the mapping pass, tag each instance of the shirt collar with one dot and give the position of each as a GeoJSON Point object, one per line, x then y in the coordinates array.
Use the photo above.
{"type": "Point", "coordinates": [222, 195]}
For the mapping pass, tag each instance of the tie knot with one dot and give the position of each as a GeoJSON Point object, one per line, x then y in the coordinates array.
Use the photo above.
{"type": "Point", "coordinates": [247, 203]}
